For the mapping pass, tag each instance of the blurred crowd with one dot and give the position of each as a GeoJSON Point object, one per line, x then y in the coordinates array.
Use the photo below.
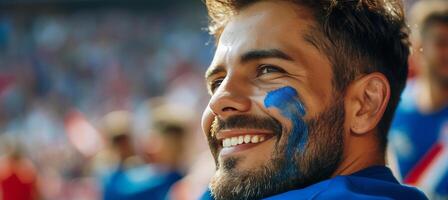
{"type": "Point", "coordinates": [104, 103]}
{"type": "Point", "coordinates": [90, 98]}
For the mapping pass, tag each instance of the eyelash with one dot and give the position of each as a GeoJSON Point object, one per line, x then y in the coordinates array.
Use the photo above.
{"type": "Point", "coordinates": [261, 68]}
{"type": "Point", "coordinates": [216, 83]}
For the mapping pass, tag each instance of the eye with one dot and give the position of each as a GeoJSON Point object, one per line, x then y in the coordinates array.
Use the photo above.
{"type": "Point", "coordinates": [215, 84]}
{"type": "Point", "coordinates": [266, 69]}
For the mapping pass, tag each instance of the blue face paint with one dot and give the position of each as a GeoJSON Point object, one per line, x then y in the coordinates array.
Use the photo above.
{"type": "Point", "coordinates": [286, 100]}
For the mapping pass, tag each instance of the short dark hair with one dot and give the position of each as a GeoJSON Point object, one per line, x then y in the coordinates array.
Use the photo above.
{"type": "Point", "coordinates": [358, 37]}
{"type": "Point", "coordinates": [170, 128]}
{"type": "Point", "coordinates": [433, 19]}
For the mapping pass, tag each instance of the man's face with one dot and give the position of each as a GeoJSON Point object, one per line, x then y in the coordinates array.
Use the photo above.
{"type": "Point", "coordinates": [274, 122]}
{"type": "Point", "coordinates": [435, 52]}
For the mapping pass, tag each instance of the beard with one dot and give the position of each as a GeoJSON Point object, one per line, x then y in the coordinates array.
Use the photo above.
{"type": "Point", "coordinates": [316, 162]}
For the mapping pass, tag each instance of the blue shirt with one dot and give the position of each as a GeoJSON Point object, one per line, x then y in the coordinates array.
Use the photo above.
{"type": "Point", "coordinates": [138, 183]}
{"type": "Point", "coordinates": [373, 183]}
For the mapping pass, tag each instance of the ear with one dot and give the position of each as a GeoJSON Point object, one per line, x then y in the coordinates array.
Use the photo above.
{"type": "Point", "coordinates": [366, 102]}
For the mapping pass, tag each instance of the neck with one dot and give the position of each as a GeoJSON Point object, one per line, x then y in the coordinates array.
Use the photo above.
{"type": "Point", "coordinates": [358, 163]}
{"type": "Point", "coordinates": [360, 152]}
{"type": "Point", "coordinates": [434, 96]}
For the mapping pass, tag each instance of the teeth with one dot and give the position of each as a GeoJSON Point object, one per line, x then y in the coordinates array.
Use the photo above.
{"type": "Point", "coordinates": [246, 139]}
{"type": "Point", "coordinates": [226, 142]}
{"type": "Point", "coordinates": [254, 139]}
{"type": "Point", "coordinates": [233, 141]}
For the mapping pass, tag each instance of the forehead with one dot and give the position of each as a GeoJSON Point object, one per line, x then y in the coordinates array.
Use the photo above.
{"type": "Point", "coordinates": [265, 25]}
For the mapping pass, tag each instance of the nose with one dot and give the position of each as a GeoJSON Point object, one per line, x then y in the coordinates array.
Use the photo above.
{"type": "Point", "coordinates": [230, 99]}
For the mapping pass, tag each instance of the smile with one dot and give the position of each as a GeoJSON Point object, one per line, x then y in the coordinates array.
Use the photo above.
{"type": "Point", "coordinates": [238, 140]}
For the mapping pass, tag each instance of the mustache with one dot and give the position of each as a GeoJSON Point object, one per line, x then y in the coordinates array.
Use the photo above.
{"type": "Point", "coordinates": [246, 122]}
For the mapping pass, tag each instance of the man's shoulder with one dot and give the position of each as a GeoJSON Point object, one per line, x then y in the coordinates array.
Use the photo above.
{"type": "Point", "coordinates": [372, 185]}
{"type": "Point", "coordinates": [353, 187]}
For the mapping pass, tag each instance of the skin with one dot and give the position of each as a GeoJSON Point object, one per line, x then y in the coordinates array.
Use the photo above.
{"type": "Point", "coordinates": [164, 150]}
{"type": "Point", "coordinates": [433, 79]}
{"type": "Point", "coordinates": [243, 84]}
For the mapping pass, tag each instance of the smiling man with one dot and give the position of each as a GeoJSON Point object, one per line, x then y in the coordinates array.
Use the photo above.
{"type": "Point", "coordinates": [303, 93]}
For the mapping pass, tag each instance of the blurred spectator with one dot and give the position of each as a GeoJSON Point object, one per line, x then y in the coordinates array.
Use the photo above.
{"type": "Point", "coordinates": [188, 151]}
{"type": "Point", "coordinates": [127, 175]}
{"type": "Point", "coordinates": [419, 134]}
{"type": "Point", "coordinates": [114, 163]}
{"type": "Point", "coordinates": [18, 176]}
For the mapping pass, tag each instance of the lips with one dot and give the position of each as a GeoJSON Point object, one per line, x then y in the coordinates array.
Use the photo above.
{"type": "Point", "coordinates": [233, 141]}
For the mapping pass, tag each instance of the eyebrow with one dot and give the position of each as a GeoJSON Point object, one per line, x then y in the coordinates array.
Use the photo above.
{"type": "Point", "coordinates": [263, 54]}
{"type": "Point", "coordinates": [214, 71]}
{"type": "Point", "coordinates": [252, 55]}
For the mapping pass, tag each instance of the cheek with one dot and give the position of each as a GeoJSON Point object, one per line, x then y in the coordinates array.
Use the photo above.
{"type": "Point", "coordinates": [286, 101]}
